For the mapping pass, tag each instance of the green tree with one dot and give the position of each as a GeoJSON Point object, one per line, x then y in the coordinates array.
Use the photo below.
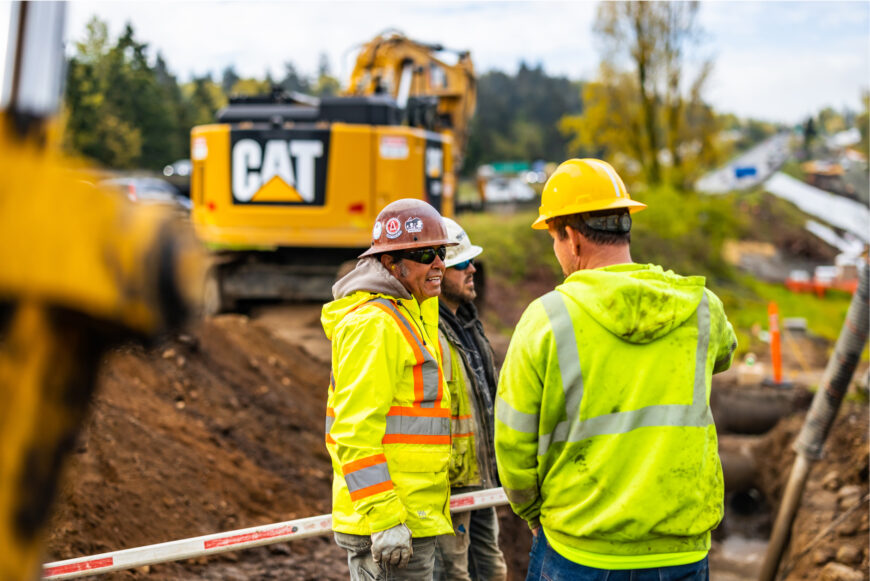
{"type": "Point", "coordinates": [517, 116]}
{"type": "Point", "coordinates": [643, 112]}
{"type": "Point", "coordinates": [326, 84]}
{"type": "Point", "coordinates": [121, 111]}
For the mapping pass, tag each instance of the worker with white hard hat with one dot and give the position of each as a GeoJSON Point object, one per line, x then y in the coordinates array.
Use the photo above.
{"type": "Point", "coordinates": [472, 552]}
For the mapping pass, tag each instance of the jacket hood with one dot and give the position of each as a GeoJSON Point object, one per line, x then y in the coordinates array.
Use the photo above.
{"type": "Point", "coordinates": [636, 302]}
{"type": "Point", "coordinates": [368, 278]}
{"type": "Point", "coordinates": [370, 275]}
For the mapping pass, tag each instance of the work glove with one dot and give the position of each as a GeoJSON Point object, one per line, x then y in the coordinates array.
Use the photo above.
{"type": "Point", "coordinates": [392, 546]}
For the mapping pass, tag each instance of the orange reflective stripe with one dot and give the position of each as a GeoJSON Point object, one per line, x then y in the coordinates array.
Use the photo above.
{"type": "Point", "coordinates": [414, 439]}
{"type": "Point", "coordinates": [418, 354]}
{"type": "Point", "coordinates": [329, 439]}
{"type": "Point", "coordinates": [330, 412]}
{"type": "Point", "coordinates": [371, 490]}
{"type": "Point", "coordinates": [363, 463]}
{"type": "Point", "coordinates": [419, 412]}
{"type": "Point", "coordinates": [468, 435]}
{"type": "Point", "coordinates": [467, 417]}
{"type": "Point", "coordinates": [419, 392]}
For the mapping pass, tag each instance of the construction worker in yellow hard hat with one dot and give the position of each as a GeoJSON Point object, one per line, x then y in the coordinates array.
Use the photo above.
{"type": "Point", "coordinates": [604, 439]}
{"type": "Point", "coordinates": [388, 408]}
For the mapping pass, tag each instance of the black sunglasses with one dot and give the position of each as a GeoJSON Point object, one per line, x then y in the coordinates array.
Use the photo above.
{"type": "Point", "coordinates": [423, 255]}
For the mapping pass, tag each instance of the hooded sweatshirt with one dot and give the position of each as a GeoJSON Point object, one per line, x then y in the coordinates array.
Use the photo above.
{"type": "Point", "coordinates": [603, 433]}
{"type": "Point", "coordinates": [388, 410]}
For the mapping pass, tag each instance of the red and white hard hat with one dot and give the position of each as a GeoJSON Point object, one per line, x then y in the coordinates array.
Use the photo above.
{"type": "Point", "coordinates": [406, 224]}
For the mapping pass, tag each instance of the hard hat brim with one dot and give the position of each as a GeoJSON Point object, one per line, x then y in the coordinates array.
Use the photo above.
{"type": "Point", "coordinates": [632, 205]}
{"type": "Point", "coordinates": [467, 254]}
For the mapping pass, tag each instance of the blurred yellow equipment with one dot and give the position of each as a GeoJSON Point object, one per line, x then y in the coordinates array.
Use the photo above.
{"type": "Point", "coordinates": [82, 269]}
{"type": "Point", "coordinates": [583, 185]}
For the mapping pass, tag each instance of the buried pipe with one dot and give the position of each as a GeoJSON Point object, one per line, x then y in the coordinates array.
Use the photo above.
{"type": "Point", "coordinates": [823, 410]}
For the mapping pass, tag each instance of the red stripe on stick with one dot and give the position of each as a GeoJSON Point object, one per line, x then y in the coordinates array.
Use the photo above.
{"type": "Point", "coordinates": [81, 566]}
{"type": "Point", "coordinates": [248, 537]}
{"type": "Point", "coordinates": [456, 502]}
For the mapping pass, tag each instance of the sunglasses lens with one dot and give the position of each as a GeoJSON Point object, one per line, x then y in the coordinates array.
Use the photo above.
{"type": "Point", "coordinates": [463, 265]}
{"type": "Point", "coordinates": [425, 255]}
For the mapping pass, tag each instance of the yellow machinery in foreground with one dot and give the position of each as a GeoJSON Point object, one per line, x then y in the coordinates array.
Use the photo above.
{"type": "Point", "coordinates": [81, 269]}
{"type": "Point", "coordinates": [285, 189]}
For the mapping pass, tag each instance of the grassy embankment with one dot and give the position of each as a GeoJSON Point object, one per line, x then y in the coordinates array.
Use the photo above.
{"type": "Point", "coordinates": [682, 232]}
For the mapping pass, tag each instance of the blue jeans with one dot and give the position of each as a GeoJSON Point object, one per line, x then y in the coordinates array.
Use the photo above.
{"type": "Point", "coordinates": [548, 565]}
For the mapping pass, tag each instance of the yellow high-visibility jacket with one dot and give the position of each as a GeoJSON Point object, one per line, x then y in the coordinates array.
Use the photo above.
{"type": "Point", "coordinates": [603, 428]}
{"type": "Point", "coordinates": [388, 415]}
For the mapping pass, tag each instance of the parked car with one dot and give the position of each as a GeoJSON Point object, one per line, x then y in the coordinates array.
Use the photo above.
{"type": "Point", "coordinates": [503, 189]}
{"type": "Point", "coordinates": [147, 190]}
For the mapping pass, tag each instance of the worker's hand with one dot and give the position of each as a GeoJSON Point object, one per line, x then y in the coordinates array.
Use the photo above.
{"type": "Point", "coordinates": [392, 546]}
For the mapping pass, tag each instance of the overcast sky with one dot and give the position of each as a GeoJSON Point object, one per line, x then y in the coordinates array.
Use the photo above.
{"type": "Point", "coordinates": [773, 60]}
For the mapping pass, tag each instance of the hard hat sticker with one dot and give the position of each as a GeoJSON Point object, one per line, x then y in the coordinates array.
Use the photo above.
{"type": "Point", "coordinates": [414, 225]}
{"type": "Point", "coordinates": [393, 228]}
{"type": "Point", "coordinates": [376, 231]}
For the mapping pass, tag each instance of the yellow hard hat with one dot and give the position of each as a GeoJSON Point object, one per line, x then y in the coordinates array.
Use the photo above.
{"type": "Point", "coordinates": [583, 185]}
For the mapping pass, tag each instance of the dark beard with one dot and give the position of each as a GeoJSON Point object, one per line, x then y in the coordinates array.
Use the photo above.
{"type": "Point", "coordinates": [451, 294]}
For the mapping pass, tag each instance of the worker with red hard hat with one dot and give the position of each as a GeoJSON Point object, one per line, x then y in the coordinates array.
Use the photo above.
{"type": "Point", "coordinates": [388, 409]}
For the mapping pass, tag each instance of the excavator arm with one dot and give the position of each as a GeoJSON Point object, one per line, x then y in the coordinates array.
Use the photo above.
{"type": "Point", "coordinates": [433, 93]}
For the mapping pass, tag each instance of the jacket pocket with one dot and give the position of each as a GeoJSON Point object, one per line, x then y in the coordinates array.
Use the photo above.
{"type": "Point", "coordinates": [416, 460]}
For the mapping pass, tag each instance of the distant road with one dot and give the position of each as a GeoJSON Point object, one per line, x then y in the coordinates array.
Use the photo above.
{"type": "Point", "coordinates": [765, 157]}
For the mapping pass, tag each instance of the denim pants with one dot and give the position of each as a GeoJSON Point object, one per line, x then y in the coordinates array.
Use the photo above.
{"type": "Point", "coordinates": [472, 553]}
{"type": "Point", "coordinates": [363, 567]}
{"type": "Point", "coordinates": [548, 565]}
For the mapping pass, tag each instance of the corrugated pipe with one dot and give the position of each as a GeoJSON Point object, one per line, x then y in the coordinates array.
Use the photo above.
{"type": "Point", "coordinates": [821, 416]}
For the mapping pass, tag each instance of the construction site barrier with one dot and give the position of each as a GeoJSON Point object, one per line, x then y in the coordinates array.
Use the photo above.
{"type": "Point", "coordinates": [232, 541]}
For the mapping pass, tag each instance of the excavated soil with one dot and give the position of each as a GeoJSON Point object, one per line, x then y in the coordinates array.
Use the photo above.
{"type": "Point", "coordinates": [222, 428]}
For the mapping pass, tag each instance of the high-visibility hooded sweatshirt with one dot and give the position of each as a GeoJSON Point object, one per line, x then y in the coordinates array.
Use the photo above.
{"type": "Point", "coordinates": [603, 434]}
{"type": "Point", "coordinates": [388, 409]}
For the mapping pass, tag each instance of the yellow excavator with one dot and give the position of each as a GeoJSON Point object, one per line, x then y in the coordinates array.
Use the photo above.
{"type": "Point", "coordinates": [285, 187]}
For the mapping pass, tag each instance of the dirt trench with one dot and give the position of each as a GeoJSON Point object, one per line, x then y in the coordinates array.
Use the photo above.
{"type": "Point", "coordinates": [221, 429]}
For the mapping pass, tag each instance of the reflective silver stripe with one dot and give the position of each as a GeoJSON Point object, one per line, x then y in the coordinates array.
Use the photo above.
{"type": "Point", "coordinates": [514, 419]}
{"type": "Point", "coordinates": [569, 366]}
{"type": "Point", "coordinates": [329, 421]}
{"type": "Point", "coordinates": [430, 366]}
{"type": "Point", "coordinates": [521, 496]}
{"type": "Point", "coordinates": [366, 477]}
{"type": "Point", "coordinates": [610, 174]}
{"type": "Point", "coordinates": [574, 430]}
{"type": "Point", "coordinates": [418, 426]}
{"type": "Point", "coordinates": [699, 397]}
{"type": "Point", "coordinates": [461, 426]}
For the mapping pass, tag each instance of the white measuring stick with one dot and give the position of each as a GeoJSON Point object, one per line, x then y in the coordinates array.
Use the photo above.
{"type": "Point", "coordinates": [231, 541]}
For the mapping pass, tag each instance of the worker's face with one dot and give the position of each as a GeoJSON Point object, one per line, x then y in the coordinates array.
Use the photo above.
{"type": "Point", "coordinates": [423, 281]}
{"type": "Point", "coordinates": [565, 251]}
{"type": "Point", "coordinates": [458, 285]}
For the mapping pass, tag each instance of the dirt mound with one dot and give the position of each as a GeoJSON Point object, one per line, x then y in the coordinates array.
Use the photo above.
{"type": "Point", "coordinates": [218, 430]}
{"type": "Point", "coordinates": [830, 530]}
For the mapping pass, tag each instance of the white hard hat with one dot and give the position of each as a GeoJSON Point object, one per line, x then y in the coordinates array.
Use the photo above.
{"type": "Point", "coordinates": [464, 250]}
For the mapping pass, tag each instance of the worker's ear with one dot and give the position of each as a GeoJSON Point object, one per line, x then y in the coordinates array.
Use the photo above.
{"type": "Point", "coordinates": [577, 240]}
{"type": "Point", "coordinates": [388, 261]}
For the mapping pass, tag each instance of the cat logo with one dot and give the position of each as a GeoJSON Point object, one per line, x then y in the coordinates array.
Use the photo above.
{"type": "Point", "coordinates": [276, 171]}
